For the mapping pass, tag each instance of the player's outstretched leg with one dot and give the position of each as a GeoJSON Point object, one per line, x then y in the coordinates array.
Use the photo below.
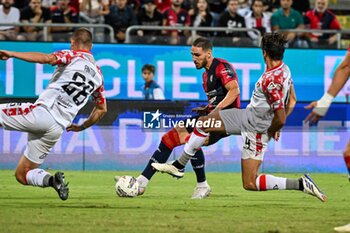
{"type": "Point", "coordinates": [202, 189]}
{"type": "Point", "coordinates": [28, 173]}
{"type": "Point", "coordinates": [175, 169]}
{"type": "Point", "coordinates": [263, 182]}
{"type": "Point", "coordinates": [266, 182]}
{"type": "Point", "coordinates": [345, 228]}
{"type": "Point", "coordinates": [169, 141]}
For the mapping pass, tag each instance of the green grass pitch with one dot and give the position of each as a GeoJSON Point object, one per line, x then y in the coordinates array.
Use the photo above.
{"type": "Point", "coordinates": [166, 206]}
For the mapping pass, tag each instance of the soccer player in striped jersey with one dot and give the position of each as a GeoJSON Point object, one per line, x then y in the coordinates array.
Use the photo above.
{"type": "Point", "coordinates": [75, 79]}
{"type": "Point", "coordinates": [220, 83]}
{"type": "Point", "coordinates": [272, 101]}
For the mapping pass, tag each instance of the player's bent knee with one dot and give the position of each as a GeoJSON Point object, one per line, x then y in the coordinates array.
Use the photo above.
{"type": "Point", "coordinates": [171, 139]}
{"type": "Point", "coordinates": [250, 186]}
{"type": "Point", "coordinates": [20, 177]}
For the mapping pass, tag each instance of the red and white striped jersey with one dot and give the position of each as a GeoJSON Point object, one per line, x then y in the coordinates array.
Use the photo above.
{"type": "Point", "coordinates": [75, 79]}
{"type": "Point", "coordinates": [270, 94]}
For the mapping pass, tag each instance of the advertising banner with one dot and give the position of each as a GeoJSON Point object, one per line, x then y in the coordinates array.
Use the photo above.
{"type": "Point", "coordinates": [127, 137]}
{"type": "Point", "coordinates": [121, 65]}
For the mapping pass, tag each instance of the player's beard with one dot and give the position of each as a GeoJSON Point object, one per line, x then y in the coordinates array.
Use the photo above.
{"type": "Point", "coordinates": [204, 63]}
{"type": "Point", "coordinates": [201, 65]}
{"type": "Point", "coordinates": [7, 5]}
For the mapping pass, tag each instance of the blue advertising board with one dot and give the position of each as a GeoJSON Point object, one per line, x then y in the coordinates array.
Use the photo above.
{"type": "Point", "coordinates": [124, 142]}
{"type": "Point", "coordinates": [312, 70]}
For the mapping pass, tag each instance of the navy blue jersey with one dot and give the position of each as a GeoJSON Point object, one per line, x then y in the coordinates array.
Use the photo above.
{"type": "Point", "coordinates": [214, 80]}
{"type": "Point", "coordinates": [152, 91]}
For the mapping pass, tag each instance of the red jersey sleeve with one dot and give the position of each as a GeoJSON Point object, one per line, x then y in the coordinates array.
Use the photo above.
{"type": "Point", "coordinates": [226, 73]}
{"type": "Point", "coordinates": [99, 95]}
{"type": "Point", "coordinates": [63, 57]}
{"type": "Point", "coordinates": [272, 86]}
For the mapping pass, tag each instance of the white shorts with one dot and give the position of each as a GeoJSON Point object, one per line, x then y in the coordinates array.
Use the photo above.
{"type": "Point", "coordinates": [43, 130]}
{"type": "Point", "coordinates": [236, 123]}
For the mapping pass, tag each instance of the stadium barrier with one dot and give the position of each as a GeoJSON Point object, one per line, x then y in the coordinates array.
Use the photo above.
{"type": "Point", "coordinates": [46, 27]}
{"type": "Point", "coordinates": [132, 29]}
{"type": "Point", "coordinates": [131, 33]}
{"type": "Point", "coordinates": [339, 33]}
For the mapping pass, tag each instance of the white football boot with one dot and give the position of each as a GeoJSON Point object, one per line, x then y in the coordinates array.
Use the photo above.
{"type": "Point", "coordinates": [311, 188]}
{"type": "Point", "coordinates": [169, 169]}
{"type": "Point", "coordinates": [345, 228]}
{"type": "Point", "coordinates": [201, 192]}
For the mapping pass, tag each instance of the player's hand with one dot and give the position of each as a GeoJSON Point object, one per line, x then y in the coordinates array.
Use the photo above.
{"type": "Point", "coordinates": [4, 55]}
{"type": "Point", "coordinates": [312, 117]}
{"type": "Point", "coordinates": [275, 135]}
{"type": "Point", "coordinates": [203, 110]}
{"type": "Point", "coordinates": [74, 128]}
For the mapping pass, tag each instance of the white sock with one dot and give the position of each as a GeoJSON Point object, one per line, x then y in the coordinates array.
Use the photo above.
{"type": "Point", "coordinates": [143, 181]}
{"type": "Point", "coordinates": [36, 177]}
{"type": "Point", "coordinates": [195, 142]}
{"type": "Point", "coordinates": [202, 184]}
{"type": "Point", "coordinates": [269, 182]}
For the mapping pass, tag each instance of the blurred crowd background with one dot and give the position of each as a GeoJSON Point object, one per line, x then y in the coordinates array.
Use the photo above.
{"type": "Point", "coordinates": [233, 22]}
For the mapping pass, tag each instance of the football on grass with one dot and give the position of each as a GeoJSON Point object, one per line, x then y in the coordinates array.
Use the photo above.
{"type": "Point", "coordinates": [127, 186]}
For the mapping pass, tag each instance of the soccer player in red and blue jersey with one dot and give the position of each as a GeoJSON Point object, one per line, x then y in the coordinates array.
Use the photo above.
{"type": "Point", "coordinates": [273, 99]}
{"type": "Point", "coordinates": [221, 86]}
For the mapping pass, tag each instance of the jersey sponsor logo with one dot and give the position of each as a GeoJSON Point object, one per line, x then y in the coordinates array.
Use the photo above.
{"type": "Point", "coordinates": [212, 100]}
{"type": "Point", "coordinates": [212, 93]}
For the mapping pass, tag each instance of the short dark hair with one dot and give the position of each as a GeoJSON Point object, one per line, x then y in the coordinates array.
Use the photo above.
{"type": "Point", "coordinates": [149, 67]}
{"type": "Point", "coordinates": [82, 36]}
{"type": "Point", "coordinates": [263, 2]}
{"type": "Point", "coordinates": [274, 45]}
{"type": "Point", "coordinates": [203, 43]}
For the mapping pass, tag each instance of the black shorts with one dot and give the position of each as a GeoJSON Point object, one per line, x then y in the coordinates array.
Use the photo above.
{"type": "Point", "coordinates": [213, 137]}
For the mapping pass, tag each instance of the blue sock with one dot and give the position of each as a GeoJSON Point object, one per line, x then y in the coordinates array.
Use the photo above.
{"type": "Point", "coordinates": [161, 155]}
{"type": "Point", "coordinates": [198, 163]}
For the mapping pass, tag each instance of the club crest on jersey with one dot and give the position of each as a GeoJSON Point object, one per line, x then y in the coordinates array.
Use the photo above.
{"type": "Point", "coordinates": [226, 71]}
